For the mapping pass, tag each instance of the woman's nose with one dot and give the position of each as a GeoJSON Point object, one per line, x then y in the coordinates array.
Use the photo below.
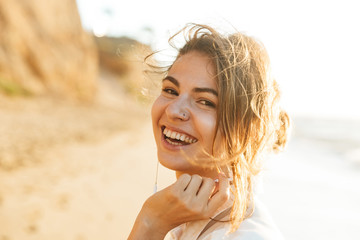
{"type": "Point", "coordinates": [178, 109]}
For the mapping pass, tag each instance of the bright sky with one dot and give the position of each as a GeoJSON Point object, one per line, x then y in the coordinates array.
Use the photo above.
{"type": "Point", "coordinates": [314, 45]}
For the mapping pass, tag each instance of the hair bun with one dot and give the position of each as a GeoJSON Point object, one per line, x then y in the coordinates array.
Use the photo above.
{"type": "Point", "coordinates": [282, 133]}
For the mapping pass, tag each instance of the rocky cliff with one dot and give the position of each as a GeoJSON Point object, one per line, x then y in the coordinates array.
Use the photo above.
{"type": "Point", "coordinates": [44, 50]}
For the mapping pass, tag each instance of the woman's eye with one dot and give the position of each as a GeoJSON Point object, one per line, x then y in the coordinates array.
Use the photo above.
{"type": "Point", "coordinates": [207, 103]}
{"type": "Point", "coordinates": [170, 91]}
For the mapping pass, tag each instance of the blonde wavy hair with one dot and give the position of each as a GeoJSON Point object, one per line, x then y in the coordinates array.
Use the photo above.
{"type": "Point", "coordinates": [248, 114]}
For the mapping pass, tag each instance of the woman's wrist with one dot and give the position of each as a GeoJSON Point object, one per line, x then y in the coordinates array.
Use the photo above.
{"type": "Point", "coordinates": [147, 227]}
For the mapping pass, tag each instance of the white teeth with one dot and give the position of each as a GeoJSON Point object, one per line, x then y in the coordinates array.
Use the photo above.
{"type": "Point", "coordinates": [175, 135]}
{"type": "Point", "coordinates": [173, 143]}
{"type": "Point", "coordinates": [168, 134]}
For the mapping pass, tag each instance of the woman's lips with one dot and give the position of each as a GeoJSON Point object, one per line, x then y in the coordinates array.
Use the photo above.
{"type": "Point", "coordinates": [175, 135]}
{"type": "Point", "coordinates": [173, 138]}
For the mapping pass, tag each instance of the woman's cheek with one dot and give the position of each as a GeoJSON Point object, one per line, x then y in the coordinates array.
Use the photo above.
{"type": "Point", "coordinates": [206, 125]}
{"type": "Point", "coordinates": [219, 147]}
{"type": "Point", "coordinates": [158, 108]}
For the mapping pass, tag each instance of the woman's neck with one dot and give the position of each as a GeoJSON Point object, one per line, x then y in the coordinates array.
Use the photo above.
{"type": "Point", "coordinates": [209, 173]}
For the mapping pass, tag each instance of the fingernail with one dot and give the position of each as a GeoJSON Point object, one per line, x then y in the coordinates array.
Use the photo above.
{"type": "Point", "coordinates": [216, 180]}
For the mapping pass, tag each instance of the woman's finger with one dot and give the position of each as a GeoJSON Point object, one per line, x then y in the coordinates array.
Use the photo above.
{"type": "Point", "coordinates": [194, 185]}
{"type": "Point", "coordinates": [206, 189]}
{"type": "Point", "coordinates": [220, 197]}
{"type": "Point", "coordinates": [182, 182]}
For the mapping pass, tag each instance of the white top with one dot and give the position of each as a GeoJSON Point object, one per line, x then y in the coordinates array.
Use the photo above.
{"type": "Point", "coordinates": [259, 226]}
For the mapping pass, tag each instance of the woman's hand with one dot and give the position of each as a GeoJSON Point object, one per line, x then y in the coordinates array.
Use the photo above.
{"type": "Point", "coordinates": [190, 198]}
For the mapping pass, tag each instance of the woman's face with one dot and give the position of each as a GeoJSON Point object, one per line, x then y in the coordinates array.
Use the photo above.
{"type": "Point", "coordinates": [184, 115]}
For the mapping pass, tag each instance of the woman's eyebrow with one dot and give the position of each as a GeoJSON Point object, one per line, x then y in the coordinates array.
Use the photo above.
{"type": "Point", "coordinates": [209, 90]}
{"type": "Point", "coordinates": [197, 90]}
{"type": "Point", "coordinates": [173, 80]}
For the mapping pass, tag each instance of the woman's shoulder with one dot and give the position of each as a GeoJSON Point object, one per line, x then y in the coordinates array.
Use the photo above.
{"type": "Point", "coordinates": [259, 226]}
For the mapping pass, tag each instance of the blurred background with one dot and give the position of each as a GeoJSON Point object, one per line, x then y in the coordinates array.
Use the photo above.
{"type": "Point", "coordinates": [77, 157]}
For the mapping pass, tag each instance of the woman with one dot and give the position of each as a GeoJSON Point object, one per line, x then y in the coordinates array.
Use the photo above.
{"type": "Point", "coordinates": [215, 117]}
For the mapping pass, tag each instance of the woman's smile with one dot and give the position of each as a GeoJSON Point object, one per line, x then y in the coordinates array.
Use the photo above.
{"type": "Point", "coordinates": [184, 115]}
{"type": "Point", "coordinates": [177, 137]}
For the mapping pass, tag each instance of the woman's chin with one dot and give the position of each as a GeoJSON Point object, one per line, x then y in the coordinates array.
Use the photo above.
{"type": "Point", "coordinates": [182, 165]}
{"type": "Point", "coordinates": [173, 164]}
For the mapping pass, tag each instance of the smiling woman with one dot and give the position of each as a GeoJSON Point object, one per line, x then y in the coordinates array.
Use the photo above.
{"type": "Point", "coordinates": [186, 109]}
{"type": "Point", "coordinates": [216, 116]}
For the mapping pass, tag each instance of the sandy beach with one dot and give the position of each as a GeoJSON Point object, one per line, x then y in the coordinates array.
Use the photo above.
{"type": "Point", "coordinates": [77, 154]}
{"type": "Point", "coordinates": [88, 179]}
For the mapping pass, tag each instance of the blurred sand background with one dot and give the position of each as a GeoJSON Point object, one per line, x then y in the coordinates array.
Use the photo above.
{"type": "Point", "coordinates": [77, 156]}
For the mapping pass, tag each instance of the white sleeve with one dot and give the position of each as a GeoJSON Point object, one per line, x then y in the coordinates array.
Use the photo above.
{"type": "Point", "coordinates": [259, 226]}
